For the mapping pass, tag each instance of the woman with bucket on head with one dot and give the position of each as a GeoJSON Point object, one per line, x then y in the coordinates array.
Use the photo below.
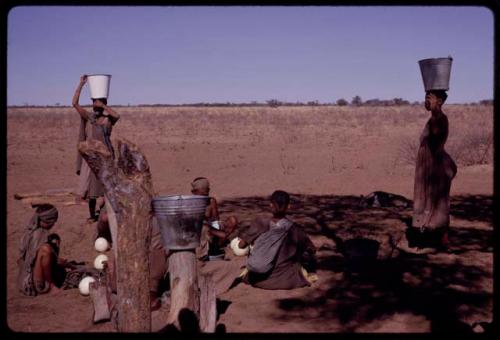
{"type": "Point", "coordinates": [435, 169]}
{"type": "Point", "coordinates": [93, 125]}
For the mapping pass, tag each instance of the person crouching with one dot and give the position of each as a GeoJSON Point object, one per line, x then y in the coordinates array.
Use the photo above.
{"type": "Point", "coordinates": [279, 249]}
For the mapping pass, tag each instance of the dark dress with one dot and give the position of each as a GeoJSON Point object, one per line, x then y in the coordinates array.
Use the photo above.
{"type": "Point", "coordinates": [434, 172]}
{"type": "Point", "coordinates": [286, 273]}
{"type": "Point", "coordinates": [89, 185]}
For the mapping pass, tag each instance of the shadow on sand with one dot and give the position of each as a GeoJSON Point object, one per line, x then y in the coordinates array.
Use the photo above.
{"type": "Point", "coordinates": [443, 288]}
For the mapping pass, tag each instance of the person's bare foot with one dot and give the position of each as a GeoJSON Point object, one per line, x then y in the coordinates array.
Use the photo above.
{"type": "Point", "coordinates": [54, 290]}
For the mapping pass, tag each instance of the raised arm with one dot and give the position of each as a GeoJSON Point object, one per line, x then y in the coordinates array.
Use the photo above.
{"type": "Point", "coordinates": [76, 97]}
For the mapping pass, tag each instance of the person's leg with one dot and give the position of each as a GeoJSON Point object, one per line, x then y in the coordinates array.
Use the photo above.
{"type": "Point", "coordinates": [443, 239]}
{"type": "Point", "coordinates": [202, 249]}
{"type": "Point", "coordinates": [42, 272]}
{"type": "Point", "coordinates": [83, 182]}
{"type": "Point", "coordinates": [158, 267]}
{"type": "Point", "coordinates": [103, 227]}
{"type": "Point", "coordinates": [92, 205]}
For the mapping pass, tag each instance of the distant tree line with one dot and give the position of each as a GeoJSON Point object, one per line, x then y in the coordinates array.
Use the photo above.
{"type": "Point", "coordinates": [355, 101]}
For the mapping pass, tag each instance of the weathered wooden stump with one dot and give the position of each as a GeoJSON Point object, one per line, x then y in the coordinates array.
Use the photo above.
{"type": "Point", "coordinates": [208, 304]}
{"type": "Point", "coordinates": [183, 284]}
{"type": "Point", "coordinates": [129, 190]}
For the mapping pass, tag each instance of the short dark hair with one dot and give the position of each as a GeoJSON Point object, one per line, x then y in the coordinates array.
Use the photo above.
{"type": "Point", "coordinates": [104, 100]}
{"type": "Point", "coordinates": [40, 208]}
{"type": "Point", "coordinates": [51, 241]}
{"type": "Point", "coordinates": [281, 198]}
{"type": "Point", "coordinates": [441, 94]}
{"type": "Point", "coordinates": [53, 237]}
{"type": "Point", "coordinates": [198, 178]}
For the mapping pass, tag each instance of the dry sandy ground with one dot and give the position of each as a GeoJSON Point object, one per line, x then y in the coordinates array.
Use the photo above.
{"type": "Point", "coordinates": [324, 156]}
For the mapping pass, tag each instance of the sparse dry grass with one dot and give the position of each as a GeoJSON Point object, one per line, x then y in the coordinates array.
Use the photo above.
{"type": "Point", "coordinates": [470, 141]}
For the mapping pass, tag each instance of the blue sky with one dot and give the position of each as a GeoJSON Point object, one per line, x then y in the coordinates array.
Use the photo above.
{"type": "Point", "coordinates": [239, 54]}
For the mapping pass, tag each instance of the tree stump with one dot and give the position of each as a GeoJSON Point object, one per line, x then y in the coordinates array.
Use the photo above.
{"type": "Point", "coordinates": [128, 187]}
{"type": "Point", "coordinates": [183, 284]}
{"type": "Point", "coordinates": [208, 304]}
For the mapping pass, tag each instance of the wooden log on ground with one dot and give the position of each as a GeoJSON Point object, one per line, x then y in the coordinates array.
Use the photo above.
{"type": "Point", "coordinates": [128, 187]}
{"type": "Point", "coordinates": [61, 200]}
{"type": "Point", "coordinates": [101, 300]}
{"type": "Point", "coordinates": [51, 192]}
{"type": "Point", "coordinates": [183, 285]}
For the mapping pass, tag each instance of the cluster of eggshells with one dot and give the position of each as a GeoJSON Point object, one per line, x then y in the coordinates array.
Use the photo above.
{"type": "Point", "coordinates": [101, 245]}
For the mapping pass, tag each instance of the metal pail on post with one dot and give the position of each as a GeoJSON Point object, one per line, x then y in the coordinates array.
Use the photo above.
{"type": "Point", "coordinates": [436, 73]}
{"type": "Point", "coordinates": [99, 85]}
{"type": "Point", "coordinates": [180, 218]}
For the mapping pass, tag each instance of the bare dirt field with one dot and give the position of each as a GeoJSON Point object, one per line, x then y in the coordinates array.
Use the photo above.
{"type": "Point", "coordinates": [326, 157]}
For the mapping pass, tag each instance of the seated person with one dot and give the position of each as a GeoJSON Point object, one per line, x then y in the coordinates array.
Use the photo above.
{"type": "Point", "coordinates": [39, 264]}
{"type": "Point", "coordinates": [215, 234]}
{"type": "Point", "coordinates": [49, 267]}
{"type": "Point", "coordinates": [279, 249]}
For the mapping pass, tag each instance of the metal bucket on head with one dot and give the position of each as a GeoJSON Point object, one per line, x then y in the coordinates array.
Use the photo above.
{"type": "Point", "coordinates": [180, 218]}
{"type": "Point", "coordinates": [436, 73]}
{"type": "Point", "coordinates": [99, 85]}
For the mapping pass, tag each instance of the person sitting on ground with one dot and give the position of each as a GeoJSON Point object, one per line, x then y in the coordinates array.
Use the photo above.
{"type": "Point", "coordinates": [60, 266]}
{"type": "Point", "coordinates": [281, 250]}
{"type": "Point", "coordinates": [38, 256]}
{"type": "Point", "coordinates": [215, 234]}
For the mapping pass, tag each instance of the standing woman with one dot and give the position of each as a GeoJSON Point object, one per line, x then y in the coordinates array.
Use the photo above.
{"type": "Point", "coordinates": [93, 125]}
{"type": "Point", "coordinates": [435, 169]}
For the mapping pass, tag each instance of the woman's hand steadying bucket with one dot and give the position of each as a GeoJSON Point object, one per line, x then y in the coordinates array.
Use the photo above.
{"type": "Point", "coordinates": [83, 79]}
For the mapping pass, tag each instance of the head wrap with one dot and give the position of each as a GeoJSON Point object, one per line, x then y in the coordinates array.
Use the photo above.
{"type": "Point", "coordinates": [49, 216]}
{"type": "Point", "coordinates": [200, 184]}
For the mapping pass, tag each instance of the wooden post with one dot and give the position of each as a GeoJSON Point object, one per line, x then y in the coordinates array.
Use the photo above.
{"type": "Point", "coordinates": [183, 285]}
{"type": "Point", "coordinates": [129, 190]}
{"type": "Point", "coordinates": [208, 304]}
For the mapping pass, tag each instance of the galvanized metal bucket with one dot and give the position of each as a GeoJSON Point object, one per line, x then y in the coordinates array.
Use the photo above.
{"type": "Point", "coordinates": [436, 73]}
{"type": "Point", "coordinates": [180, 218]}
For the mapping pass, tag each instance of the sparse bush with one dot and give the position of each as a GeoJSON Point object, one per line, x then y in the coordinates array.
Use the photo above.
{"type": "Point", "coordinates": [486, 102]}
{"type": "Point", "coordinates": [342, 102]}
{"type": "Point", "coordinates": [472, 148]}
{"type": "Point", "coordinates": [357, 101]}
{"type": "Point", "coordinates": [400, 101]}
{"type": "Point", "coordinates": [273, 102]}
{"type": "Point", "coordinates": [407, 151]}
